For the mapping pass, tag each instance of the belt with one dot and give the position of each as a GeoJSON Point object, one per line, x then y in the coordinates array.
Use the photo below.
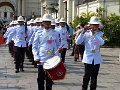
{"type": "Point", "coordinates": [46, 51]}
{"type": "Point", "coordinates": [93, 51]}
{"type": "Point", "coordinates": [21, 39]}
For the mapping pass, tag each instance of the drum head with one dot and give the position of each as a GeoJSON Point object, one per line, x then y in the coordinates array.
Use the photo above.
{"type": "Point", "coordinates": [51, 63]}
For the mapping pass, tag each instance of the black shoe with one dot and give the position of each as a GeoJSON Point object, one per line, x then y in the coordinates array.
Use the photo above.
{"type": "Point", "coordinates": [30, 60]}
{"type": "Point", "coordinates": [71, 54]}
{"type": "Point", "coordinates": [35, 65]}
{"type": "Point", "coordinates": [53, 82]}
{"type": "Point", "coordinates": [21, 69]}
{"type": "Point", "coordinates": [32, 63]}
{"type": "Point", "coordinates": [16, 71]}
{"type": "Point", "coordinates": [75, 60]}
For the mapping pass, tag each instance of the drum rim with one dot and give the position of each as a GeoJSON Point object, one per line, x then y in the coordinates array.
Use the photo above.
{"type": "Point", "coordinates": [52, 67]}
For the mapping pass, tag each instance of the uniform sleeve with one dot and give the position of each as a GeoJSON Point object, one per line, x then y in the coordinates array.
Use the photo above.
{"type": "Point", "coordinates": [99, 39]}
{"type": "Point", "coordinates": [5, 35]}
{"type": "Point", "coordinates": [35, 48]}
{"type": "Point", "coordinates": [10, 36]}
{"type": "Point", "coordinates": [57, 39]}
{"type": "Point", "coordinates": [62, 41]}
{"type": "Point", "coordinates": [80, 39]}
{"type": "Point", "coordinates": [31, 38]}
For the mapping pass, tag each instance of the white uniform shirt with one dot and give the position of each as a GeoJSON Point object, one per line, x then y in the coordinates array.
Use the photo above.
{"type": "Point", "coordinates": [45, 45]}
{"type": "Point", "coordinates": [19, 36]}
{"type": "Point", "coordinates": [63, 36]}
{"type": "Point", "coordinates": [92, 46]}
{"type": "Point", "coordinates": [37, 28]}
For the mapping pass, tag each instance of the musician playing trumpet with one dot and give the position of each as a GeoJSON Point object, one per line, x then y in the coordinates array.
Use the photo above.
{"type": "Point", "coordinates": [92, 39]}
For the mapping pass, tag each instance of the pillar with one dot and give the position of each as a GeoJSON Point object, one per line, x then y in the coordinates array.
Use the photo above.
{"type": "Point", "coordinates": [61, 9]}
{"type": "Point", "coordinates": [19, 7]}
{"type": "Point", "coordinates": [74, 10]}
{"type": "Point", "coordinates": [23, 7]}
{"type": "Point", "coordinates": [69, 11]}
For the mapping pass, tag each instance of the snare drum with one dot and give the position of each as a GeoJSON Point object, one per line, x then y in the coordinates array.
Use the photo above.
{"type": "Point", "coordinates": [55, 68]}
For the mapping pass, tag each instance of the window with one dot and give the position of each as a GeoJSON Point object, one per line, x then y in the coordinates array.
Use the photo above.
{"type": "Point", "coordinates": [5, 14]}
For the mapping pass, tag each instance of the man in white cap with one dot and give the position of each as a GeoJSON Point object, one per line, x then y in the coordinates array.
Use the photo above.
{"type": "Point", "coordinates": [53, 24]}
{"type": "Point", "coordinates": [38, 27]}
{"type": "Point", "coordinates": [92, 58]}
{"type": "Point", "coordinates": [30, 30]}
{"type": "Point", "coordinates": [63, 38]}
{"type": "Point", "coordinates": [44, 47]}
{"type": "Point", "coordinates": [57, 23]}
{"type": "Point", "coordinates": [11, 44]}
{"type": "Point", "coordinates": [19, 35]}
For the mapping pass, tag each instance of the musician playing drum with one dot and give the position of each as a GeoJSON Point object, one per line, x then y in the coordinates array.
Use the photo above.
{"type": "Point", "coordinates": [44, 47]}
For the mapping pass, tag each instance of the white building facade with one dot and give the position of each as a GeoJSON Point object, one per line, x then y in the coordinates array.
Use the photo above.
{"type": "Point", "coordinates": [11, 8]}
{"type": "Point", "coordinates": [71, 8]}
{"type": "Point", "coordinates": [58, 8]}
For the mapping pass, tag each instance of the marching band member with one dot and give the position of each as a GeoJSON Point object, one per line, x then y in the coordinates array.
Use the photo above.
{"type": "Point", "coordinates": [44, 47]}
{"type": "Point", "coordinates": [38, 27]}
{"type": "Point", "coordinates": [19, 43]}
{"type": "Point", "coordinates": [57, 23]}
{"type": "Point", "coordinates": [63, 38]}
{"type": "Point", "coordinates": [53, 24]}
{"type": "Point", "coordinates": [30, 30]}
{"type": "Point", "coordinates": [92, 58]}
{"type": "Point", "coordinates": [11, 44]}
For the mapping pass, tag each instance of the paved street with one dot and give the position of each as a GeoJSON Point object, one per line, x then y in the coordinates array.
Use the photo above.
{"type": "Point", "coordinates": [108, 79]}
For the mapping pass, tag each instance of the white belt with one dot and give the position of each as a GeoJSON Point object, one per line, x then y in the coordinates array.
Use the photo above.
{"type": "Point", "coordinates": [46, 51]}
{"type": "Point", "coordinates": [93, 51]}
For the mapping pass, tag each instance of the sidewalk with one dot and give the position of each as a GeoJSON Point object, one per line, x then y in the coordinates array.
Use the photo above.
{"type": "Point", "coordinates": [108, 79]}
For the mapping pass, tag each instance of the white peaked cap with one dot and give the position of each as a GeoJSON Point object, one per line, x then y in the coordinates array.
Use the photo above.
{"type": "Point", "coordinates": [53, 22]}
{"type": "Point", "coordinates": [32, 21]}
{"type": "Point", "coordinates": [40, 20]}
{"type": "Point", "coordinates": [20, 18]}
{"type": "Point", "coordinates": [37, 20]}
{"type": "Point", "coordinates": [11, 23]}
{"type": "Point", "coordinates": [28, 22]}
{"type": "Point", "coordinates": [47, 17]}
{"type": "Point", "coordinates": [57, 20]}
{"type": "Point", "coordinates": [94, 20]}
{"type": "Point", "coordinates": [62, 20]}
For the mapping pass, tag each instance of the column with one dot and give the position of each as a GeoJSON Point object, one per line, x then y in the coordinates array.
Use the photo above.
{"type": "Point", "coordinates": [19, 7]}
{"type": "Point", "coordinates": [74, 10]}
{"type": "Point", "coordinates": [42, 10]}
{"type": "Point", "coordinates": [61, 9]}
{"type": "Point", "coordinates": [69, 11]}
{"type": "Point", "coordinates": [65, 9]}
{"type": "Point", "coordinates": [23, 7]}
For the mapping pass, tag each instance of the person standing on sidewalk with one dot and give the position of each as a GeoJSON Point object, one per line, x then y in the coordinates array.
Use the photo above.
{"type": "Point", "coordinates": [19, 35]}
{"type": "Point", "coordinates": [92, 39]}
{"type": "Point", "coordinates": [79, 49]}
{"type": "Point", "coordinates": [44, 47]}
